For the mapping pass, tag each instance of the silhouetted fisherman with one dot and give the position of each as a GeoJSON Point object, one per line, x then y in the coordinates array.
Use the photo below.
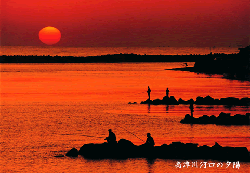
{"type": "Point", "coordinates": [191, 107]}
{"type": "Point", "coordinates": [167, 92]}
{"type": "Point", "coordinates": [111, 139]}
{"type": "Point", "coordinates": [149, 91]}
{"type": "Point", "coordinates": [150, 141]}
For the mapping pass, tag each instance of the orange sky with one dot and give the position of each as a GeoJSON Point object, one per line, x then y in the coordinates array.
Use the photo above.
{"type": "Point", "coordinates": [127, 22]}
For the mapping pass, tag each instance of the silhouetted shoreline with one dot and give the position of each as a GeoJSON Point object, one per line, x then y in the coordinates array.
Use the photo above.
{"type": "Point", "coordinates": [125, 149]}
{"type": "Point", "coordinates": [231, 67]}
{"type": "Point", "coordinates": [106, 58]}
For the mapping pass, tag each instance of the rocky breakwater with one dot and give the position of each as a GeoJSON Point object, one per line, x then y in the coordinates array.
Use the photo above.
{"type": "Point", "coordinates": [222, 119]}
{"type": "Point", "coordinates": [208, 100]}
{"type": "Point", "coordinates": [165, 101]}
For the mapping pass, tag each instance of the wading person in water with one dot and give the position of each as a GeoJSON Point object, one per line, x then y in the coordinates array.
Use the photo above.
{"type": "Point", "coordinates": [191, 107]}
{"type": "Point", "coordinates": [167, 92]}
{"type": "Point", "coordinates": [149, 91]}
{"type": "Point", "coordinates": [111, 139]}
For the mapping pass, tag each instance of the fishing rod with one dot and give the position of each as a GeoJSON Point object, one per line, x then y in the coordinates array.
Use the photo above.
{"type": "Point", "coordinates": [92, 136]}
{"type": "Point", "coordinates": [103, 137]}
{"type": "Point", "coordinates": [118, 126]}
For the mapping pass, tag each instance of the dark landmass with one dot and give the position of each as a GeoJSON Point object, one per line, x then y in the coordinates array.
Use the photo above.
{"type": "Point", "coordinates": [222, 119]}
{"type": "Point", "coordinates": [176, 150]}
{"type": "Point", "coordinates": [230, 66]}
{"type": "Point", "coordinates": [105, 58]}
{"type": "Point", "coordinates": [208, 100]}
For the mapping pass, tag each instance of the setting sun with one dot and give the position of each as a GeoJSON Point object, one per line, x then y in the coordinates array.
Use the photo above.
{"type": "Point", "coordinates": [49, 35]}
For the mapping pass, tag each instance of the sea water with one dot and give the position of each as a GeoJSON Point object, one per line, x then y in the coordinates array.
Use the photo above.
{"type": "Point", "coordinates": [47, 109]}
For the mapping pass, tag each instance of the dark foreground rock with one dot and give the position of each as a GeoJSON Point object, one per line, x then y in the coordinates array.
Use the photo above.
{"type": "Point", "coordinates": [176, 150]}
{"type": "Point", "coordinates": [222, 119]}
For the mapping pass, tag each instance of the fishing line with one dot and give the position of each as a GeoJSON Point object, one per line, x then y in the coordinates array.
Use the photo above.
{"type": "Point", "coordinates": [131, 133]}
{"type": "Point", "coordinates": [92, 136]}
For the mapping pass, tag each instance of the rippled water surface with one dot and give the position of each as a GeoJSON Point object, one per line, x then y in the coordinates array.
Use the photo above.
{"type": "Point", "coordinates": [47, 109]}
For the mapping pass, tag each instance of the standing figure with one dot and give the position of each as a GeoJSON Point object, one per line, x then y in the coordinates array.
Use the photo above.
{"type": "Point", "coordinates": [167, 92]}
{"type": "Point", "coordinates": [150, 141]}
{"type": "Point", "coordinates": [111, 139]}
{"type": "Point", "coordinates": [149, 91]}
{"type": "Point", "coordinates": [191, 107]}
